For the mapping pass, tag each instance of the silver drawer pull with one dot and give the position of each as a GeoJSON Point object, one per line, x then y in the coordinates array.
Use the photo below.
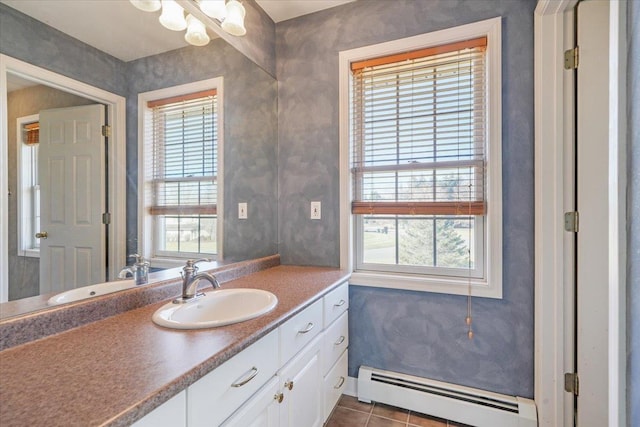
{"type": "Point", "coordinates": [340, 304]}
{"type": "Point", "coordinates": [307, 329]}
{"type": "Point", "coordinates": [337, 386]}
{"type": "Point", "coordinates": [340, 340]}
{"type": "Point", "coordinates": [252, 374]}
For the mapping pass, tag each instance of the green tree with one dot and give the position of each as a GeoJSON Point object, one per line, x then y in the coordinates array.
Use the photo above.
{"type": "Point", "coordinates": [416, 245]}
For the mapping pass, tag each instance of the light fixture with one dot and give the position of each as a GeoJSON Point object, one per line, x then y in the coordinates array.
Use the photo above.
{"type": "Point", "coordinates": [228, 15]}
{"type": "Point", "coordinates": [214, 8]}
{"type": "Point", "coordinates": [196, 32]}
{"type": "Point", "coordinates": [146, 5]}
{"type": "Point", "coordinates": [172, 16]}
{"type": "Point", "coordinates": [234, 22]}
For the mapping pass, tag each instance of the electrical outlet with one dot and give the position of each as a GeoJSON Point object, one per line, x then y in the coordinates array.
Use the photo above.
{"type": "Point", "coordinates": [316, 210]}
{"type": "Point", "coordinates": [242, 211]}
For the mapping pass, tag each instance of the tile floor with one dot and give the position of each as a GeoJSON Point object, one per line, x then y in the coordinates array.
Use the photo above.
{"type": "Point", "coordinates": [351, 413]}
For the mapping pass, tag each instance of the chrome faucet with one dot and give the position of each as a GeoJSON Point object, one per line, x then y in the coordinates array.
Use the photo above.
{"type": "Point", "coordinates": [190, 280]}
{"type": "Point", "coordinates": [139, 271]}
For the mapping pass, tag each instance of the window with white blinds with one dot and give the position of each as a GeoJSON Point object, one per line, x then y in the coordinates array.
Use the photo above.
{"type": "Point", "coordinates": [418, 132]}
{"type": "Point", "coordinates": [419, 137]}
{"type": "Point", "coordinates": [184, 173]}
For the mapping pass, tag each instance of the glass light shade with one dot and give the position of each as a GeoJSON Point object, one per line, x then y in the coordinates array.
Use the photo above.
{"type": "Point", "coordinates": [196, 32]}
{"type": "Point", "coordinates": [234, 22]}
{"type": "Point", "coordinates": [214, 8]}
{"type": "Point", "coordinates": [146, 5]}
{"type": "Point", "coordinates": [172, 16]}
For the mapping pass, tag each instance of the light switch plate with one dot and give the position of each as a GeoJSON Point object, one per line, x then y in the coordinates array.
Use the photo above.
{"type": "Point", "coordinates": [316, 210]}
{"type": "Point", "coordinates": [242, 211]}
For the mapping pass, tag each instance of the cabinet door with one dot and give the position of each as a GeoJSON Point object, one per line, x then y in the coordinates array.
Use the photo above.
{"type": "Point", "coordinates": [262, 410]}
{"type": "Point", "coordinates": [301, 381]}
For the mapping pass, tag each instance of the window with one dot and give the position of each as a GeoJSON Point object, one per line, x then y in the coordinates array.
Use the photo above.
{"type": "Point", "coordinates": [421, 136]}
{"type": "Point", "coordinates": [28, 130]}
{"type": "Point", "coordinates": [181, 175]}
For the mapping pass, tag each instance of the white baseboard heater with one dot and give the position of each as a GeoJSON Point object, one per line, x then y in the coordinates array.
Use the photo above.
{"type": "Point", "coordinates": [456, 403]}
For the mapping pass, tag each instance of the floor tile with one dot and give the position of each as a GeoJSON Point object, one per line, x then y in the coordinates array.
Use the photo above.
{"type": "Point", "coordinates": [421, 420]}
{"type": "Point", "coordinates": [391, 412]}
{"type": "Point", "coordinates": [353, 403]}
{"type": "Point", "coordinates": [375, 421]}
{"type": "Point", "coordinates": [343, 417]}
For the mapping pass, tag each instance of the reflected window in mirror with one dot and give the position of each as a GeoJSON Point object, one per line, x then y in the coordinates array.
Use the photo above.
{"type": "Point", "coordinates": [181, 144]}
{"type": "Point", "coordinates": [28, 131]}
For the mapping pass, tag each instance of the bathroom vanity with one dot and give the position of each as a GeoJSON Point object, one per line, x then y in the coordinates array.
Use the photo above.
{"type": "Point", "coordinates": [285, 368]}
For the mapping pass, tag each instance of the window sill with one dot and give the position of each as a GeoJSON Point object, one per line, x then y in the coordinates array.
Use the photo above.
{"type": "Point", "coordinates": [30, 253]}
{"type": "Point", "coordinates": [169, 262]}
{"type": "Point", "coordinates": [440, 285]}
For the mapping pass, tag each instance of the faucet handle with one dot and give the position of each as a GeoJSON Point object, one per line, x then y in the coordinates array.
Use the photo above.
{"type": "Point", "coordinates": [191, 264]}
{"type": "Point", "coordinates": [139, 259]}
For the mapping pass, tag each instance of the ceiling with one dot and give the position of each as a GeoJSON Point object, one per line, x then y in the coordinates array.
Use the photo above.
{"type": "Point", "coordinates": [121, 30]}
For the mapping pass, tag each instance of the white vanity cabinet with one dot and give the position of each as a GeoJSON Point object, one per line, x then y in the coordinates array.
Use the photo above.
{"type": "Point", "coordinates": [292, 377]}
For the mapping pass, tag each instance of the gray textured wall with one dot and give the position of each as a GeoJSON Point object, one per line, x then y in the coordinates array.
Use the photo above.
{"type": "Point", "coordinates": [250, 139]}
{"type": "Point", "coordinates": [31, 41]}
{"type": "Point", "coordinates": [24, 272]}
{"type": "Point", "coordinates": [410, 332]}
{"type": "Point", "coordinates": [633, 221]}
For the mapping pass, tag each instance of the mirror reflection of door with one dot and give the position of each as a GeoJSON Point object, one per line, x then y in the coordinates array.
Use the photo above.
{"type": "Point", "coordinates": [71, 168]}
{"type": "Point", "coordinates": [25, 99]}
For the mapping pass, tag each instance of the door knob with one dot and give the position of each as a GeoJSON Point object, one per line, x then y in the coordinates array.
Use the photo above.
{"type": "Point", "coordinates": [42, 235]}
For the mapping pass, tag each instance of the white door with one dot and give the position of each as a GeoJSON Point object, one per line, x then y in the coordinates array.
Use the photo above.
{"type": "Point", "coordinates": [72, 197]}
{"type": "Point", "coordinates": [592, 297]}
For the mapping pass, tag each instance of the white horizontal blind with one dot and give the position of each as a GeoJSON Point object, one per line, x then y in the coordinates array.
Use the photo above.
{"type": "Point", "coordinates": [418, 132]}
{"type": "Point", "coordinates": [185, 135]}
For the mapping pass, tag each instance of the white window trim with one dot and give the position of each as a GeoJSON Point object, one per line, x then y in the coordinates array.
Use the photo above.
{"type": "Point", "coordinates": [145, 226]}
{"type": "Point", "coordinates": [491, 285]}
{"type": "Point", "coordinates": [25, 204]}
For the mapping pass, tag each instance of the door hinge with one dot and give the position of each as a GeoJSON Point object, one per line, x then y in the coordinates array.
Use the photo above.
{"type": "Point", "coordinates": [571, 59]}
{"type": "Point", "coordinates": [571, 383]}
{"type": "Point", "coordinates": [106, 131]}
{"type": "Point", "coordinates": [571, 221]}
{"type": "Point", "coordinates": [106, 218]}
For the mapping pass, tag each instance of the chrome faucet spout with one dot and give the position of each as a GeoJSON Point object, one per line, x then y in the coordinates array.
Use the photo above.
{"type": "Point", "coordinates": [190, 280]}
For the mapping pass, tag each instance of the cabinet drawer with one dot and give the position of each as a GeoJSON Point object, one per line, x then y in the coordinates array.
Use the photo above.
{"type": "Point", "coordinates": [335, 341]}
{"type": "Point", "coordinates": [336, 302]}
{"type": "Point", "coordinates": [215, 396]}
{"type": "Point", "coordinates": [172, 413]}
{"type": "Point", "coordinates": [334, 384]}
{"type": "Point", "coordinates": [296, 332]}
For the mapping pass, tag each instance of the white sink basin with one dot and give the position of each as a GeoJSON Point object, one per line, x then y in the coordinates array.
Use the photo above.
{"type": "Point", "coordinates": [216, 308]}
{"type": "Point", "coordinates": [90, 291]}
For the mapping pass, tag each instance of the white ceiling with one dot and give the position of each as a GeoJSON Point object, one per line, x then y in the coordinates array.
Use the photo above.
{"type": "Point", "coordinates": [123, 31]}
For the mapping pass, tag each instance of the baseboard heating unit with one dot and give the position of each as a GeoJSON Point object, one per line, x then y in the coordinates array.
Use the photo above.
{"type": "Point", "coordinates": [456, 403]}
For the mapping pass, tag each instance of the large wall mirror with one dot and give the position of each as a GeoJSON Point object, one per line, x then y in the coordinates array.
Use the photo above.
{"type": "Point", "coordinates": [29, 87]}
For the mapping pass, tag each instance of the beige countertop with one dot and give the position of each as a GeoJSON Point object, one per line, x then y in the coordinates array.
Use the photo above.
{"type": "Point", "coordinates": [114, 371]}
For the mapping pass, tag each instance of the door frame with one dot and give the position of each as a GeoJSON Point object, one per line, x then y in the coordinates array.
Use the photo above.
{"type": "Point", "coordinates": [554, 195]}
{"type": "Point", "coordinates": [116, 110]}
